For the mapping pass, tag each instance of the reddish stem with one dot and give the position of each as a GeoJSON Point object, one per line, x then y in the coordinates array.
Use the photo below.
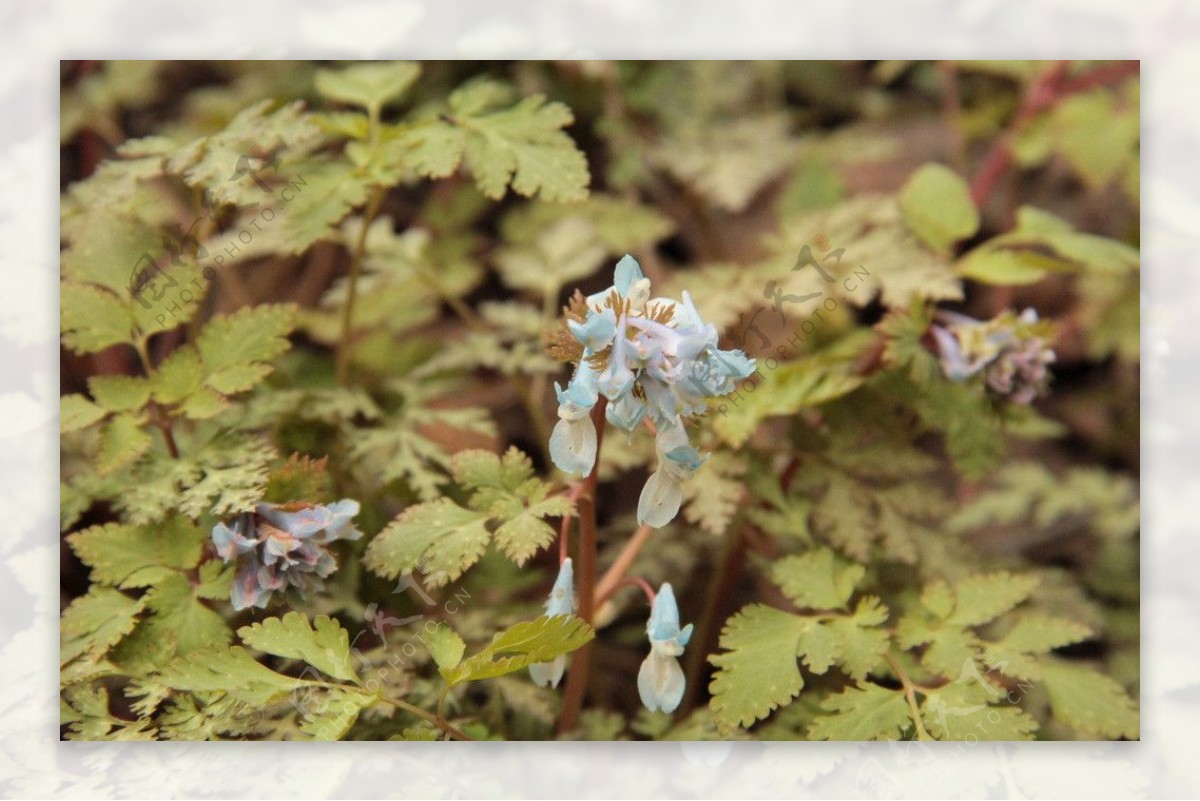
{"type": "Point", "coordinates": [1046, 91]}
{"type": "Point", "coordinates": [565, 528]}
{"type": "Point", "coordinates": [635, 581]}
{"type": "Point", "coordinates": [1040, 95]}
{"type": "Point", "coordinates": [577, 677]}
{"type": "Point", "coordinates": [616, 571]}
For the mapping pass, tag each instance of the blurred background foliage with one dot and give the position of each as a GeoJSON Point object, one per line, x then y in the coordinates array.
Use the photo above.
{"type": "Point", "coordinates": [457, 253]}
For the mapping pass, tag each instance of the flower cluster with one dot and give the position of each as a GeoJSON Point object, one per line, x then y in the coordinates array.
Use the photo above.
{"type": "Point", "coordinates": [660, 679]}
{"type": "Point", "coordinates": [561, 602]}
{"type": "Point", "coordinates": [281, 546]}
{"type": "Point", "coordinates": [652, 359]}
{"type": "Point", "coordinates": [1009, 351]}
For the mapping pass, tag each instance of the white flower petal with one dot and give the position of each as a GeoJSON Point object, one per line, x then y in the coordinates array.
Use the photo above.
{"type": "Point", "coordinates": [660, 683]}
{"type": "Point", "coordinates": [660, 500]}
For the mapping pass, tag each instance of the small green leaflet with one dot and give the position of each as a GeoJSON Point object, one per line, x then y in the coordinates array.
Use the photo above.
{"type": "Point", "coordinates": [229, 669]}
{"type": "Point", "coordinates": [1040, 244]}
{"type": "Point", "coordinates": [445, 646]}
{"type": "Point", "coordinates": [867, 713]}
{"type": "Point", "coordinates": [371, 86]}
{"type": "Point", "coordinates": [95, 622]}
{"type": "Point", "coordinates": [1088, 701]}
{"type": "Point", "coordinates": [818, 579]}
{"type": "Point", "coordinates": [524, 644]}
{"type": "Point", "coordinates": [177, 611]}
{"type": "Point", "coordinates": [138, 556]}
{"type": "Point", "coordinates": [508, 504]}
{"type": "Point", "coordinates": [522, 145]}
{"type": "Point", "coordinates": [937, 206]}
{"type": "Point", "coordinates": [324, 644]}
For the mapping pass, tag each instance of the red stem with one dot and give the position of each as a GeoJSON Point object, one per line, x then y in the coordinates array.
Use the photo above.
{"type": "Point", "coordinates": [1046, 91]}
{"type": "Point", "coordinates": [577, 676]}
{"type": "Point", "coordinates": [635, 581]}
{"type": "Point", "coordinates": [564, 529]}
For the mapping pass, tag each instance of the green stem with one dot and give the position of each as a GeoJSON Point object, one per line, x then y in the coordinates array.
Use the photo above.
{"type": "Point", "coordinates": [436, 720]}
{"type": "Point", "coordinates": [160, 419]}
{"type": "Point", "coordinates": [577, 677]}
{"type": "Point", "coordinates": [910, 695]}
{"type": "Point", "coordinates": [356, 259]}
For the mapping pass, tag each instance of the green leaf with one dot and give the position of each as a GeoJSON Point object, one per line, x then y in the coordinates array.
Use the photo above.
{"type": "Point", "coordinates": [951, 652]}
{"type": "Point", "coordinates": [91, 720]}
{"type": "Point", "coordinates": [1041, 633]}
{"type": "Point", "coordinates": [861, 643]}
{"type": "Point", "coordinates": [937, 206]}
{"type": "Point", "coordinates": [713, 495]}
{"type": "Point", "coordinates": [218, 163]}
{"type": "Point", "coordinates": [371, 86]}
{"type": "Point", "coordinates": [522, 145]}
{"type": "Point", "coordinates": [982, 598]}
{"type": "Point", "coordinates": [562, 252]}
{"type": "Point", "coordinates": [95, 622]}
{"type": "Point", "coordinates": [729, 161]}
{"type": "Point", "coordinates": [759, 673]}
{"type": "Point", "coordinates": [179, 376]}
{"type": "Point", "coordinates": [442, 534]}
{"type": "Point", "coordinates": [122, 441]}
{"type": "Point", "coordinates": [178, 612]}
{"type": "Point", "coordinates": [216, 580]}
{"type": "Point", "coordinates": [330, 716]}
{"type": "Point", "coordinates": [960, 711]}
{"type": "Point", "coordinates": [228, 669]}
{"type": "Point", "coordinates": [1004, 267]}
{"type": "Point", "coordinates": [237, 350]}
{"type": "Point", "coordinates": [444, 645]}
{"type": "Point", "coordinates": [938, 598]}
{"type": "Point", "coordinates": [402, 447]}
{"type": "Point", "coordinates": [792, 386]}
{"type": "Point", "coordinates": [325, 644]}
{"type": "Point", "coordinates": [1089, 701]}
{"type": "Point", "coordinates": [1033, 634]}
{"type": "Point", "coordinates": [875, 254]}
{"type": "Point", "coordinates": [524, 644]}
{"type": "Point", "coordinates": [120, 393]}
{"type": "Point", "coordinates": [76, 412]}
{"type": "Point", "coordinates": [818, 579]}
{"type": "Point", "coordinates": [870, 712]}
{"type": "Point", "coordinates": [814, 185]}
{"type": "Point", "coordinates": [508, 492]}
{"type": "Point", "coordinates": [92, 319]}
{"type": "Point", "coordinates": [1042, 243]}
{"type": "Point", "coordinates": [618, 224]}
{"type": "Point", "coordinates": [132, 556]}
{"type": "Point", "coordinates": [331, 189]}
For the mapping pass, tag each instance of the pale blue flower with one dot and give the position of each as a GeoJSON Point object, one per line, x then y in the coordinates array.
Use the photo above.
{"type": "Point", "coordinates": [663, 493]}
{"type": "Point", "coordinates": [660, 679]}
{"type": "Point", "coordinates": [573, 441]}
{"type": "Point", "coordinates": [626, 412]}
{"type": "Point", "coordinates": [596, 332]}
{"type": "Point", "coordinates": [617, 379]}
{"type": "Point", "coordinates": [663, 364]}
{"type": "Point", "coordinates": [561, 602]}
{"type": "Point", "coordinates": [626, 274]}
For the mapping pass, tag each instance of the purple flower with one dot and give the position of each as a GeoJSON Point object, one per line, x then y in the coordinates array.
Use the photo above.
{"type": "Point", "coordinates": [280, 546]}
{"type": "Point", "coordinates": [1008, 352]}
